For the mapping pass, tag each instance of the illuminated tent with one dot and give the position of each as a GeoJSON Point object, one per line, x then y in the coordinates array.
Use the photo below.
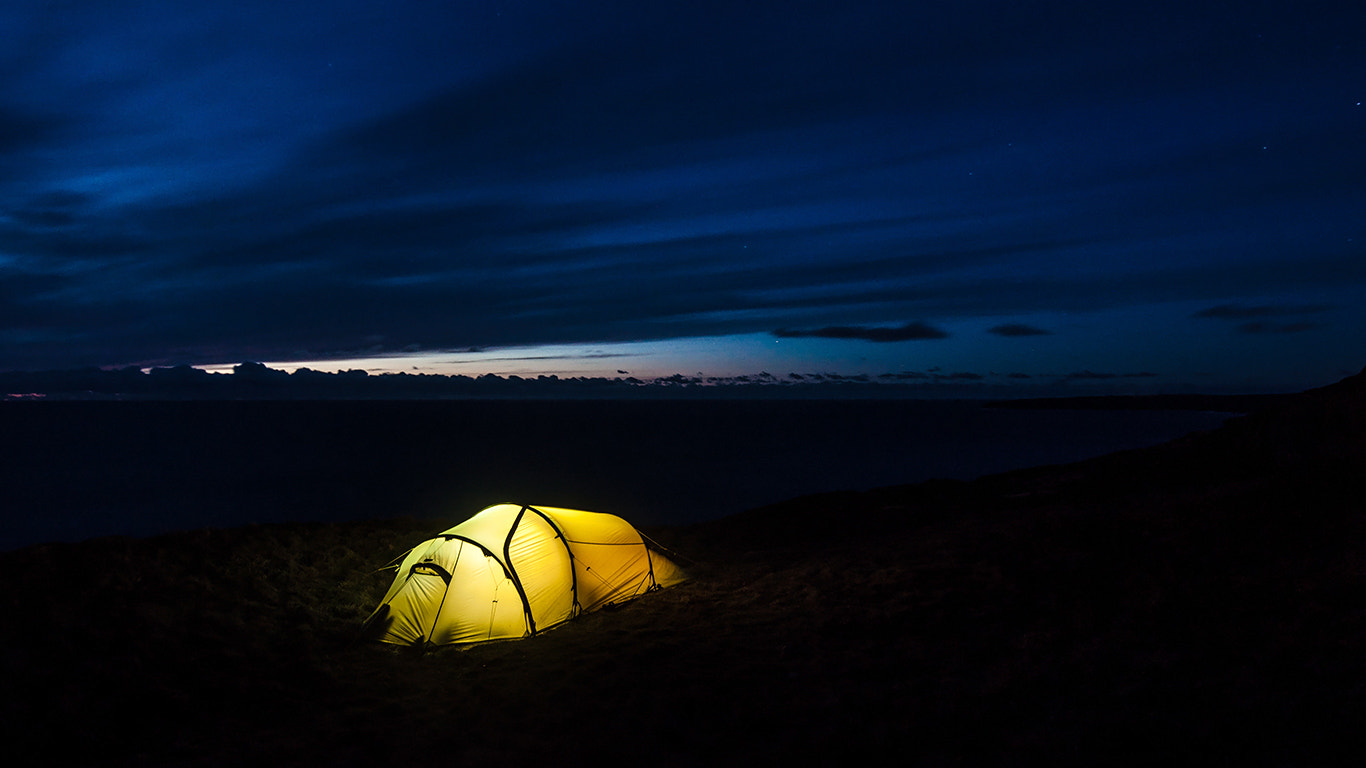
{"type": "Point", "coordinates": [514, 570]}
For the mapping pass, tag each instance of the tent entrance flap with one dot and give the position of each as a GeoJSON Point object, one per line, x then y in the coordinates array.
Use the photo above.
{"type": "Point", "coordinates": [432, 569]}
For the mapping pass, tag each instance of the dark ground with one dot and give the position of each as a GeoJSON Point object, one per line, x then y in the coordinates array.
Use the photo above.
{"type": "Point", "coordinates": [1204, 599]}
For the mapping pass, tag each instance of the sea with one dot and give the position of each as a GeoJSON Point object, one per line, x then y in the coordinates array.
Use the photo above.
{"type": "Point", "coordinates": [77, 470]}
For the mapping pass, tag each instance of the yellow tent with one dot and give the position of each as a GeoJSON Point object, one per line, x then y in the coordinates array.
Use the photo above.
{"type": "Point", "coordinates": [514, 570]}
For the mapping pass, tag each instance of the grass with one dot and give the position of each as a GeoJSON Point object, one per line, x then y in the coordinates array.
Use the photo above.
{"type": "Point", "coordinates": [1201, 600]}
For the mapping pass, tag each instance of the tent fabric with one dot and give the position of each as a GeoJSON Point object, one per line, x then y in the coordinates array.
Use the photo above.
{"type": "Point", "coordinates": [514, 570]}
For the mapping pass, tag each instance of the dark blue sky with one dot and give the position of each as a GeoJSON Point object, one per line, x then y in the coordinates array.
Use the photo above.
{"type": "Point", "coordinates": [1011, 189]}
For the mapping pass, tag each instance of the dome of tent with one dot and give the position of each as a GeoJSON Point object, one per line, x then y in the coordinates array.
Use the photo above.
{"type": "Point", "coordinates": [514, 570]}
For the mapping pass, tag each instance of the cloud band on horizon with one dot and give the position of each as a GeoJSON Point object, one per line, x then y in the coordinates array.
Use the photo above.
{"type": "Point", "coordinates": [914, 331]}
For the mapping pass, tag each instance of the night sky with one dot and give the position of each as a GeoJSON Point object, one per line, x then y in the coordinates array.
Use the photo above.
{"type": "Point", "coordinates": [1171, 195]}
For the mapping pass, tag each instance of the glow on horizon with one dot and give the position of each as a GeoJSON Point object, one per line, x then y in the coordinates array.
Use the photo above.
{"type": "Point", "coordinates": [1068, 348]}
{"type": "Point", "coordinates": [706, 356]}
{"type": "Point", "coordinates": [722, 356]}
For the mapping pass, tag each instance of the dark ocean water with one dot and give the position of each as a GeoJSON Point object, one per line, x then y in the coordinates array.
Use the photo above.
{"type": "Point", "coordinates": [76, 470]}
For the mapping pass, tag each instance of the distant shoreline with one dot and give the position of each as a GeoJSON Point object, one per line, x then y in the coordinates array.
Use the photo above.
{"type": "Point", "coordinates": [254, 381]}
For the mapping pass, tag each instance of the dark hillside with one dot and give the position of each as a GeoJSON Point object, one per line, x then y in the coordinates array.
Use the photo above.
{"type": "Point", "coordinates": [1203, 599]}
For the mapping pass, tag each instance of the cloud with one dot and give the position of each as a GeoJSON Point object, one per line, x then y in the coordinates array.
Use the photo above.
{"type": "Point", "coordinates": [1258, 327]}
{"type": "Point", "coordinates": [1255, 328]}
{"type": "Point", "coordinates": [1243, 312]}
{"type": "Point", "coordinates": [181, 187]}
{"type": "Point", "coordinates": [907, 332]}
{"type": "Point", "coordinates": [20, 130]}
{"type": "Point", "coordinates": [1018, 329]}
{"type": "Point", "coordinates": [1101, 376]}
